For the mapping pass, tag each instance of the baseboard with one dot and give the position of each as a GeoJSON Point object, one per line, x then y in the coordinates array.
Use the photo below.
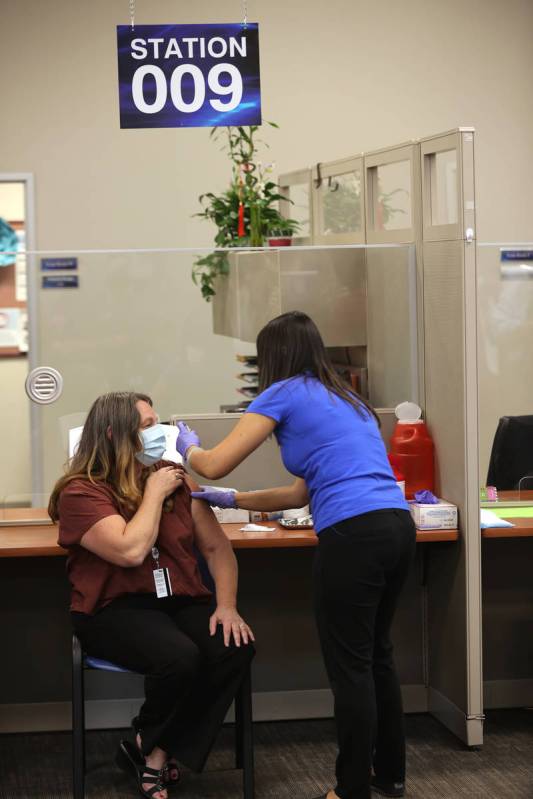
{"type": "Point", "coordinates": [468, 730]}
{"type": "Point", "coordinates": [117, 713]}
{"type": "Point", "coordinates": [507, 694]}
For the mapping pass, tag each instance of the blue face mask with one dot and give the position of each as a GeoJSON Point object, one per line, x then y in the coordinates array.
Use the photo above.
{"type": "Point", "coordinates": [154, 444]}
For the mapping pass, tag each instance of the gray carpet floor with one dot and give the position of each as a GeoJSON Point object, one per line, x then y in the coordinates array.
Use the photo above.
{"type": "Point", "coordinates": [294, 760]}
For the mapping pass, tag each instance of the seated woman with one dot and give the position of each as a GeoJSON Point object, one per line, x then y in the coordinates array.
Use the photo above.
{"type": "Point", "coordinates": [138, 599]}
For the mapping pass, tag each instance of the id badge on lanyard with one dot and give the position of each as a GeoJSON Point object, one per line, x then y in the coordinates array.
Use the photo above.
{"type": "Point", "coordinates": [163, 588]}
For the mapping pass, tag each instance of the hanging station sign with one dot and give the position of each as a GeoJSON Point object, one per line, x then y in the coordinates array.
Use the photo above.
{"type": "Point", "coordinates": [173, 76]}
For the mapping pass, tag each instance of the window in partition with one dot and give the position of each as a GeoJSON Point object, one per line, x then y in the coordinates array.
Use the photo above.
{"type": "Point", "coordinates": [300, 206]}
{"type": "Point", "coordinates": [443, 177]}
{"type": "Point", "coordinates": [392, 210]}
{"type": "Point", "coordinates": [13, 293]}
{"type": "Point", "coordinates": [341, 203]}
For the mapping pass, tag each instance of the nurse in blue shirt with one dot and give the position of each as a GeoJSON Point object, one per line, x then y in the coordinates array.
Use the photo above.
{"type": "Point", "coordinates": [329, 439]}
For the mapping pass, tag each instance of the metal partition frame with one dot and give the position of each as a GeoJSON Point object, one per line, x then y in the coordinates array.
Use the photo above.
{"type": "Point", "coordinates": [409, 153]}
{"type": "Point", "coordinates": [328, 171]}
{"type": "Point", "coordinates": [32, 306]}
{"type": "Point", "coordinates": [298, 177]}
{"type": "Point", "coordinates": [461, 143]}
{"type": "Point", "coordinates": [385, 157]}
{"type": "Point", "coordinates": [450, 332]}
{"type": "Point", "coordinates": [447, 357]}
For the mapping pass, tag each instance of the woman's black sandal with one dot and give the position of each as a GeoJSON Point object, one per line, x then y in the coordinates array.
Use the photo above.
{"type": "Point", "coordinates": [129, 759]}
{"type": "Point", "coordinates": [170, 766]}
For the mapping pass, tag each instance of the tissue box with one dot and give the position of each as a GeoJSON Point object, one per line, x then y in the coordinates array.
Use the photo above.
{"type": "Point", "coordinates": [434, 517]}
{"type": "Point", "coordinates": [231, 515]}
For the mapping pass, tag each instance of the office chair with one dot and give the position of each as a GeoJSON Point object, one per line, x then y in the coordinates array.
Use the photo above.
{"type": "Point", "coordinates": [244, 755]}
{"type": "Point", "coordinates": [244, 751]}
{"type": "Point", "coordinates": [511, 460]}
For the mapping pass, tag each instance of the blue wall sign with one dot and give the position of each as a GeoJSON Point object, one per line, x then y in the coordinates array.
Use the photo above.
{"type": "Point", "coordinates": [56, 264]}
{"type": "Point", "coordinates": [60, 281]}
{"type": "Point", "coordinates": [173, 76]}
{"type": "Point", "coordinates": [516, 255]}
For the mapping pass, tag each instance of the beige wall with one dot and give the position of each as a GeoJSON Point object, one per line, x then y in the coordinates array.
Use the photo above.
{"type": "Point", "coordinates": [338, 78]}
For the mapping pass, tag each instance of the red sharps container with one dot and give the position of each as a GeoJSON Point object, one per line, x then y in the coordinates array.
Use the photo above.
{"type": "Point", "coordinates": [412, 449]}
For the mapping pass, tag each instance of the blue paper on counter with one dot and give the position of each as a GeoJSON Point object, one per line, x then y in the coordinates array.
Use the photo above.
{"type": "Point", "coordinates": [489, 519]}
{"type": "Point", "coordinates": [426, 498]}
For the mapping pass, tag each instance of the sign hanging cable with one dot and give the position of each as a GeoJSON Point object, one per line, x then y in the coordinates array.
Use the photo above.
{"type": "Point", "coordinates": [132, 13]}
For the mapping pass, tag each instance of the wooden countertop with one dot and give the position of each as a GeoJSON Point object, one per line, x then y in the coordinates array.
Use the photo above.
{"type": "Point", "coordinates": [523, 528]}
{"type": "Point", "coordinates": [39, 538]}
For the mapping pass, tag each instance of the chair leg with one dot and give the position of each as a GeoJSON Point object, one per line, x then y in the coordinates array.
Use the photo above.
{"type": "Point", "coordinates": [239, 728]}
{"type": "Point", "coordinates": [78, 721]}
{"type": "Point", "coordinates": [245, 747]}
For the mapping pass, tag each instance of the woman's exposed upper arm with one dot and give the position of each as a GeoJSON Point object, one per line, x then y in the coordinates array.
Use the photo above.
{"type": "Point", "coordinates": [106, 539]}
{"type": "Point", "coordinates": [208, 534]}
{"type": "Point", "coordinates": [247, 435]}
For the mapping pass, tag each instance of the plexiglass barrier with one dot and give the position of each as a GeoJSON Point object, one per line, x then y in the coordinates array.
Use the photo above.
{"type": "Point", "coordinates": [135, 321]}
{"type": "Point", "coordinates": [505, 364]}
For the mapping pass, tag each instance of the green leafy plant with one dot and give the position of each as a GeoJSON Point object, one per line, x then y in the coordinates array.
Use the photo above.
{"type": "Point", "coordinates": [342, 206]}
{"type": "Point", "coordinates": [246, 213]}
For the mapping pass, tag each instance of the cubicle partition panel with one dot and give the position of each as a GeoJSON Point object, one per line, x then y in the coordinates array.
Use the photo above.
{"type": "Point", "coordinates": [296, 188]}
{"type": "Point", "coordinates": [453, 582]}
{"type": "Point", "coordinates": [327, 283]}
{"type": "Point", "coordinates": [135, 321]}
{"type": "Point", "coordinates": [505, 324]}
{"type": "Point", "coordinates": [392, 214]}
{"type": "Point", "coordinates": [338, 202]}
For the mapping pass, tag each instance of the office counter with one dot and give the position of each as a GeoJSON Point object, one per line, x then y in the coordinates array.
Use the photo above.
{"type": "Point", "coordinates": [507, 564]}
{"type": "Point", "coordinates": [523, 527]}
{"type": "Point", "coordinates": [289, 679]}
{"type": "Point", "coordinates": [40, 539]}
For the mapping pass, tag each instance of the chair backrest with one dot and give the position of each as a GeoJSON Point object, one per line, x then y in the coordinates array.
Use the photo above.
{"type": "Point", "coordinates": [512, 454]}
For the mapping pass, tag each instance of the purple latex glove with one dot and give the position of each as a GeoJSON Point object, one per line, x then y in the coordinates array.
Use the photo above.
{"type": "Point", "coordinates": [217, 497]}
{"type": "Point", "coordinates": [426, 498]}
{"type": "Point", "coordinates": [186, 438]}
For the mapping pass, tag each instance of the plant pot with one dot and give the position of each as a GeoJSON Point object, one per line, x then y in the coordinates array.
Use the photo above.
{"type": "Point", "coordinates": [279, 241]}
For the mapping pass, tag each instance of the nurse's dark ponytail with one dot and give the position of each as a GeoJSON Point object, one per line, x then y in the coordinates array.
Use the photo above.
{"type": "Point", "coordinates": [291, 345]}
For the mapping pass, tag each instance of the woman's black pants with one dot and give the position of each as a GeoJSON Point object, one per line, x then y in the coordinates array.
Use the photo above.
{"type": "Point", "coordinates": [191, 678]}
{"type": "Point", "coordinates": [360, 567]}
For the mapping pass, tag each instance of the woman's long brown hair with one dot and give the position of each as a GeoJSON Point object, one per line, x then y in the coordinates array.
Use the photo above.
{"type": "Point", "coordinates": [291, 345]}
{"type": "Point", "coordinates": [100, 457]}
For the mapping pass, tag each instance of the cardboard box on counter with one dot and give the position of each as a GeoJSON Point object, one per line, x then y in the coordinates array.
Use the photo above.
{"type": "Point", "coordinates": [264, 516]}
{"type": "Point", "coordinates": [442, 516]}
{"type": "Point", "coordinates": [231, 515]}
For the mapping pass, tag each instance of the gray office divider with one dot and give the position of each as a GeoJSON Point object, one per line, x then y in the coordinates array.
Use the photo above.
{"type": "Point", "coordinates": [422, 193]}
{"type": "Point", "coordinates": [505, 325]}
{"type": "Point", "coordinates": [450, 331]}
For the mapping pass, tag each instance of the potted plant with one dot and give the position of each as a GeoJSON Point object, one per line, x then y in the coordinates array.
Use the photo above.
{"type": "Point", "coordinates": [246, 213]}
{"type": "Point", "coordinates": [281, 236]}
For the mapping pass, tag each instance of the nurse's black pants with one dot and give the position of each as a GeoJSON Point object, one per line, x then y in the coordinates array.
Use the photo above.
{"type": "Point", "coordinates": [191, 678]}
{"type": "Point", "coordinates": [360, 567]}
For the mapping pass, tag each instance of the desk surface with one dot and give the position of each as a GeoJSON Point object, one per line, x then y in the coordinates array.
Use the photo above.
{"type": "Point", "coordinates": [37, 540]}
{"type": "Point", "coordinates": [523, 528]}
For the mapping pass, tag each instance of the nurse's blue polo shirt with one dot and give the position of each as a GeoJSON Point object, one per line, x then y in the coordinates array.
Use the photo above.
{"type": "Point", "coordinates": [337, 450]}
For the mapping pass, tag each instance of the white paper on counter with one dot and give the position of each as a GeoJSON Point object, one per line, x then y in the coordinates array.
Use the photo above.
{"type": "Point", "coordinates": [256, 528]}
